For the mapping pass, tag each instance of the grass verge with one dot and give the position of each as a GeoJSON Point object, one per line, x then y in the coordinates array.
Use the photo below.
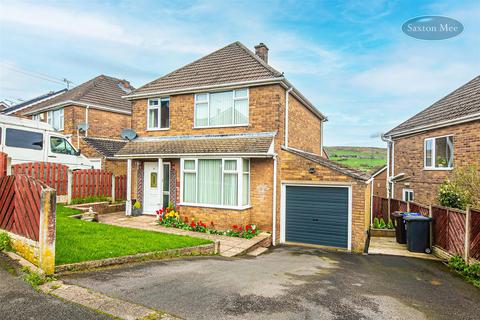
{"type": "Point", "coordinates": [79, 241]}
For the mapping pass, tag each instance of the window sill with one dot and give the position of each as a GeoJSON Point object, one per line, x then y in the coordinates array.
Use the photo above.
{"type": "Point", "coordinates": [438, 169]}
{"type": "Point", "coordinates": [159, 129]}
{"type": "Point", "coordinates": [221, 126]}
{"type": "Point", "coordinates": [214, 206]}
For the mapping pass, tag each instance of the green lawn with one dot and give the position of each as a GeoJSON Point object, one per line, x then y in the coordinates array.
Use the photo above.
{"type": "Point", "coordinates": [362, 158]}
{"type": "Point", "coordinates": [79, 240]}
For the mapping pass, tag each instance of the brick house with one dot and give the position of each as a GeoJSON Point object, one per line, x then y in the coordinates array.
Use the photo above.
{"type": "Point", "coordinates": [379, 182]}
{"type": "Point", "coordinates": [229, 140]}
{"type": "Point", "coordinates": [424, 149]}
{"type": "Point", "coordinates": [92, 116]}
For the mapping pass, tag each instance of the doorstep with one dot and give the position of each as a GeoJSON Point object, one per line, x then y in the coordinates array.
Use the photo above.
{"type": "Point", "coordinates": [229, 246]}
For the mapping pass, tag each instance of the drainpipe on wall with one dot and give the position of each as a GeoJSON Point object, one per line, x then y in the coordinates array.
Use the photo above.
{"type": "Point", "coordinates": [274, 201]}
{"type": "Point", "coordinates": [389, 143]}
{"type": "Point", "coordinates": [86, 120]}
{"type": "Point", "coordinates": [287, 93]}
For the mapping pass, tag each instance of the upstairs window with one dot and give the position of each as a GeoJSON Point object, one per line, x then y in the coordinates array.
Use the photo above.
{"type": "Point", "coordinates": [158, 114]}
{"type": "Point", "coordinates": [219, 109]}
{"type": "Point", "coordinates": [55, 119]}
{"type": "Point", "coordinates": [438, 153]}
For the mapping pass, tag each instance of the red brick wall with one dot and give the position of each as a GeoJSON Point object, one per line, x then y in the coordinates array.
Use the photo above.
{"type": "Point", "coordinates": [379, 184]}
{"type": "Point", "coordinates": [409, 159]}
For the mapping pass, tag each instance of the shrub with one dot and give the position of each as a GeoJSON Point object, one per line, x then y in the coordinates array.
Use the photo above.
{"type": "Point", "coordinates": [463, 189]}
{"type": "Point", "coordinates": [470, 273]}
{"type": "Point", "coordinates": [380, 224]}
{"type": "Point", "coordinates": [89, 199]}
{"type": "Point", "coordinates": [5, 242]}
{"type": "Point", "coordinates": [376, 223]}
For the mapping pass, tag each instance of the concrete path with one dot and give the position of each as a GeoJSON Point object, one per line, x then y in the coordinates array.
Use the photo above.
{"type": "Point", "coordinates": [229, 246]}
{"type": "Point", "coordinates": [292, 283]}
{"type": "Point", "coordinates": [18, 300]}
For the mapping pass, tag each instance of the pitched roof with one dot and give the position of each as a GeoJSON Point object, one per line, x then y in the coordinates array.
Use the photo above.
{"type": "Point", "coordinates": [100, 91]}
{"type": "Point", "coordinates": [29, 103]}
{"type": "Point", "coordinates": [461, 103]}
{"type": "Point", "coordinates": [330, 164]}
{"type": "Point", "coordinates": [106, 147]}
{"type": "Point", "coordinates": [231, 64]}
{"type": "Point", "coordinates": [209, 144]}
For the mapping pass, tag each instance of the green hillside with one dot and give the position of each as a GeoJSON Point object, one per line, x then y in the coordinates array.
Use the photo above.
{"type": "Point", "coordinates": [361, 158]}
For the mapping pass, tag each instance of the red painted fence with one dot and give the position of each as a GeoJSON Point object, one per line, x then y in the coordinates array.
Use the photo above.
{"type": "Point", "coordinates": [53, 175]}
{"type": "Point", "coordinates": [20, 205]}
{"type": "Point", "coordinates": [449, 227]}
{"type": "Point", "coordinates": [121, 187]}
{"type": "Point", "coordinates": [91, 182]}
{"type": "Point", "coordinates": [3, 164]}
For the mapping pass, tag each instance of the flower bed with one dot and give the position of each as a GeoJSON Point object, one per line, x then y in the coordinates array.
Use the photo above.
{"type": "Point", "coordinates": [170, 218]}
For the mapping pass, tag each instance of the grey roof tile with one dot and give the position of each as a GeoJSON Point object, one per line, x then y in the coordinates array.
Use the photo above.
{"type": "Point", "coordinates": [105, 146]}
{"type": "Point", "coordinates": [462, 102]}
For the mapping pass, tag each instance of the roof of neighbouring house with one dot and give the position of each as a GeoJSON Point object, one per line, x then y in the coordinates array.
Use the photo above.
{"type": "Point", "coordinates": [105, 146]}
{"type": "Point", "coordinates": [231, 64]}
{"type": "Point", "coordinates": [461, 104]}
{"type": "Point", "coordinates": [101, 91]}
{"type": "Point", "coordinates": [376, 171]}
{"type": "Point", "coordinates": [258, 144]}
{"type": "Point", "coordinates": [330, 164]}
{"type": "Point", "coordinates": [32, 102]}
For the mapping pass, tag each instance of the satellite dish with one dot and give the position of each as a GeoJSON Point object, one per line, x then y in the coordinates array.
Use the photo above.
{"type": "Point", "coordinates": [82, 126]}
{"type": "Point", "coordinates": [128, 134]}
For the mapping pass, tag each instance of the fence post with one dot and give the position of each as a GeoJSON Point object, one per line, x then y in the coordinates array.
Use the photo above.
{"type": "Point", "coordinates": [430, 215]}
{"type": "Point", "coordinates": [468, 226]}
{"type": "Point", "coordinates": [389, 209]}
{"type": "Point", "coordinates": [69, 186]}
{"type": "Point", "coordinates": [408, 206]}
{"type": "Point", "coordinates": [113, 188]}
{"type": "Point", "coordinates": [47, 231]}
{"type": "Point", "coordinates": [9, 166]}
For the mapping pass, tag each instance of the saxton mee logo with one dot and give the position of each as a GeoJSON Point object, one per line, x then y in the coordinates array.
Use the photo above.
{"type": "Point", "coordinates": [432, 28]}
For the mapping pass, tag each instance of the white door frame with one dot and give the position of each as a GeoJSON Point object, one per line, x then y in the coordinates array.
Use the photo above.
{"type": "Point", "coordinates": [283, 203]}
{"type": "Point", "coordinates": [160, 178]}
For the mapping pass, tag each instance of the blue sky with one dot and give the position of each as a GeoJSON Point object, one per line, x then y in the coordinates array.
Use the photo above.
{"type": "Point", "coordinates": [350, 58]}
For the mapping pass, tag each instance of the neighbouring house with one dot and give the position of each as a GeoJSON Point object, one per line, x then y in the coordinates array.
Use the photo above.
{"type": "Point", "coordinates": [92, 115]}
{"type": "Point", "coordinates": [16, 109]}
{"type": "Point", "coordinates": [229, 140]}
{"type": "Point", "coordinates": [424, 150]}
{"type": "Point", "coordinates": [379, 182]}
{"type": "Point", "coordinates": [3, 105]}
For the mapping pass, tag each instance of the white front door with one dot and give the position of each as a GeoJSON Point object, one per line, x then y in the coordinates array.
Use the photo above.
{"type": "Point", "coordinates": [156, 187]}
{"type": "Point", "coordinates": [152, 192]}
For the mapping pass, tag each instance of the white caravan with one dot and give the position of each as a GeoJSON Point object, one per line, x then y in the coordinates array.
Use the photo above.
{"type": "Point", "coordinates": [35, 141]}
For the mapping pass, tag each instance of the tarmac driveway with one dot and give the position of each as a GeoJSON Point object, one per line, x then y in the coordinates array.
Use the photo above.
{"type": "Point", "coordinates": [292, 283]}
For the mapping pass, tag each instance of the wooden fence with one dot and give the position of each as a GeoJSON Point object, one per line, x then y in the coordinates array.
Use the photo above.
{"type": "Point", "coordinates": [3, 164]}
{"type": "Point", "coordinates": [53, 175]}
{"type": "Point", "coordinates": [91, 183]}
{"type": "Point", "coordinates": [121, 187]}
{"type": "Point", "coordinates": [454, 231]}
{"type": "Point", "coordinates": [20, 205]}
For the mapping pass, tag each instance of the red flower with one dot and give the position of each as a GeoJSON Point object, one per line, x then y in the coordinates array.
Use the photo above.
{"type": "Point", "coordinates": [193, 224]}
{"type": "Point", "coordinates": [234, 226]}
{"type": "Point", "coordinates": [248, 227]}
{"type": "Point", "coordinates": [254, 231]}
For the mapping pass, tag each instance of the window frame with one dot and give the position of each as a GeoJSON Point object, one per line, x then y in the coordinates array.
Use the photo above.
{"type": "Point", "coordinates": [434, 153]}
{"type": "Point", "coordinates": [239, 171]}
{"type": "Point", "coordinates": [247, 98]}
{"type": "Point", "coordinates": [406, 190]}
{"type": "Point", "coordinates": [7, 144]}
{"type": "Point", "coordinates": [159, 107]}
{"type": "Point", "coordinates": [50, 116]}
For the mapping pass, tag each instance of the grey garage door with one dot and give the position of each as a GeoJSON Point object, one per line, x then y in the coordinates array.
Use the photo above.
{"type": "Point", "coordinates": [317, 215]}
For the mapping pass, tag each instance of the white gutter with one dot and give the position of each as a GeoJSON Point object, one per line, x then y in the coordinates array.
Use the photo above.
{"type": "Point", "coordinates": [202, 155]}
{"type": "Point", "coordinates": [274, 201]}
{"type": "Point", "coordinates": [472, 117]}
{"type": "Point", "coordinates": [371, 202]}
{"type": "Point", "coordinates": [86, 120]}
{"type": "Point", "coordinates": [287, 93]}
{"type": "Point", "coordinates": [80, 104]}
{"type": "Point", "coordinates": [321, 138]}
{"type": "Point", "coordinates": [388, 141]}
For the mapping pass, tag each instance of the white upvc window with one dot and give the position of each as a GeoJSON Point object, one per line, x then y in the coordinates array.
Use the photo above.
{"type": "Point", "coordinates": [220, 183]}
{"type": "Point", "coordinates": [222, 109]}
{"type": "Point", "coordinates": [55, 118]}
{"type": "Point", "coordinates": [158, 114]}
{"type": "Point", "coordinates": [438, 153]}
{"type": "Point", "coordinates": [407, 195]}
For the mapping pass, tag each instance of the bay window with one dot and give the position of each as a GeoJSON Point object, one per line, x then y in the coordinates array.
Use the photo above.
{"type": "Point", "coordinates": [228, 108]}
{"type": "Point", "coordinates": [438, 153]}
{"type": "Point", "coordinates": [55, 119]}
{"type": "Point", "coordinates": [216, 182]}
{"type": "Point", "coordinates": [158, 114]}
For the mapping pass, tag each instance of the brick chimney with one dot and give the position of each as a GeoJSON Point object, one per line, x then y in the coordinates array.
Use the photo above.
{"type": "Point", "coordinates": [261, 50]}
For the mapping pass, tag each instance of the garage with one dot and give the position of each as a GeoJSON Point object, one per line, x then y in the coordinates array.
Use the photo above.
{"type": "Point", "coordinates": [317, 215]}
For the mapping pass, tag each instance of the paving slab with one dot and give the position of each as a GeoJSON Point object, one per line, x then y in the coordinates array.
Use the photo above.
{"type": "Point", "coordinates": [389, 246]}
